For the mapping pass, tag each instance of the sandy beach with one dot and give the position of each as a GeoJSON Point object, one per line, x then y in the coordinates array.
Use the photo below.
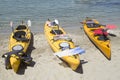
{"type": "Point", "coordinates": [46, 66]}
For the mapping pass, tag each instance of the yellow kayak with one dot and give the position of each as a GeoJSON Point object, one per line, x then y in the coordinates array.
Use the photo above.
{"type": "Point", "coordinates": [18, 45]}
{"type": "Point", "coordinates": [59, 42]}
{"type": "Point", "coordinates": [91, 27]}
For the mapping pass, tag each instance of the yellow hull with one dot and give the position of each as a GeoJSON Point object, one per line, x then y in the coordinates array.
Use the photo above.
{"type": "Point", "coordinates": [73, 61]}
{"type": "Point", "coordinates": [15, 62]}
{"type": "Point", "coordinates": [104, 46]}
{"type": "Point", "coordinates": [14, 59]}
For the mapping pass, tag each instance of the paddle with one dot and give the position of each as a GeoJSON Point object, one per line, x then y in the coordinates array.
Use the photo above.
{"type": "Point", "coordinates": [29, 23]}
{"type": "Point", "coordinates": [11, 52]}
{"type": "Point", "coordinates": [11, 25]}
{"type": "Point", "coordinates": [111, 26]}
{"type": "Point", "coordinates": [57, 23]}
{"type": "Point", "coordinates": [70, 52]}
{"type": "Point", "coordinates": [55, 32]}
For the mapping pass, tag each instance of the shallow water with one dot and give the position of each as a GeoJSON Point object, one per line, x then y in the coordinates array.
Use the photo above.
{"type": "Point", "coordinates": [68, 12]}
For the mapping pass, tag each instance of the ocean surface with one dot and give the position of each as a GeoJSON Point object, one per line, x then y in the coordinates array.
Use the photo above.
{"type": "Point", "coordinates": [68, 12]}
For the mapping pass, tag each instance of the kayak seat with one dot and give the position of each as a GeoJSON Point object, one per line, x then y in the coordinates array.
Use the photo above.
{"type": "Point", "coordinates": [56, 32]}
{"type": "Point", "coordinates": [93, 25]}
{"type": "Point", "coordinates": [21, 27]}
{"type": "Point", "coordinates": [20, 36]}
{"type": "Point", "coordinates": [103, 38]}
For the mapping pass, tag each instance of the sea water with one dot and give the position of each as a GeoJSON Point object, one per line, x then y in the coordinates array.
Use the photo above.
{"type": "Point", "coordinates": [69, 12]}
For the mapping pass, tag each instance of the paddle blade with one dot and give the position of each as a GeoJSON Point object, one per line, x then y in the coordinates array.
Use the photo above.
{"type": "Point", "coordinates": [82, 22]}
{"type": "Point", "coordinates": [70, 52]}
{"type": "Point", "coordinates": [111, 26]}
{"type": "Point", "coordinates": [29, 23]}
{"type": "Point", "coordinates": [11, 23]}
{"type": "Point", "coordinates": [56, 21]}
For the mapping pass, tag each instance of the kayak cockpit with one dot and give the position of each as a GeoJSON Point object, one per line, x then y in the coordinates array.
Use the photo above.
{"type": "Point", "coordinates": [20, 36]}
{"type": "Point", "coordinates": [21, 27]}
{"type": "Point", "coordinates": [56, 32]}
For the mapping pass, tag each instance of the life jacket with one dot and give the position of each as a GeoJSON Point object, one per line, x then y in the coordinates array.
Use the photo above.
{"type": "Point", "coordinates": [100, 32]}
